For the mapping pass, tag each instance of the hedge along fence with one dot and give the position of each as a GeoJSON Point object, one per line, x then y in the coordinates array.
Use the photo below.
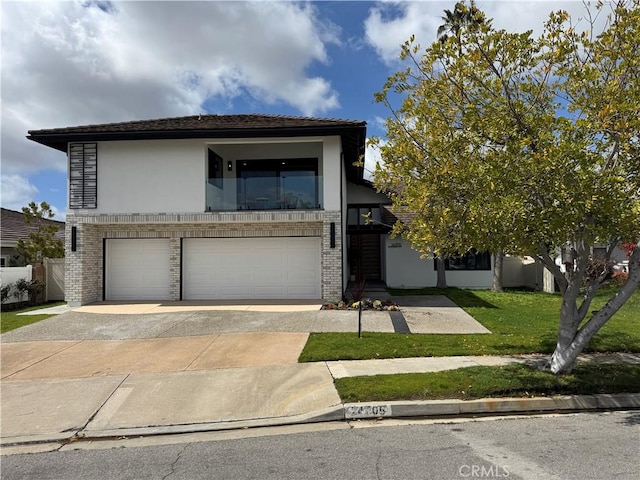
{"type": "Point", "coordinates": [9, 277]}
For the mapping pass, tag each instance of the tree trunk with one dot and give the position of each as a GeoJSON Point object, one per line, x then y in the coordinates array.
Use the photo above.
{"type": "Point", "coordinates": [567, 346]}
{"type": "Point", "coordinates": [571, 339]}
{"type": "Point", "coordinates": [442, 273]}
{"type": "Point", "coordinates": [496, 286]}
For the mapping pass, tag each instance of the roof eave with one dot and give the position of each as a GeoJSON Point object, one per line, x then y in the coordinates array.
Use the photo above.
{"type": "Point", "coordinates": [59, 140]}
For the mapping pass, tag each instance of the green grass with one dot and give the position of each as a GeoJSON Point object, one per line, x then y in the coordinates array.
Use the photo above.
{"type": "Point", "coordinates": [11, 320]}
{"type": "Point", "coordinates": [520, 322]}
{"type": "Point", "coordinates": [481, 382]}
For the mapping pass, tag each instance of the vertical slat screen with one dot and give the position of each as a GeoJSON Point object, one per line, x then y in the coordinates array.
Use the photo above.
{"type": "Point", "coordinates": [83, 175]}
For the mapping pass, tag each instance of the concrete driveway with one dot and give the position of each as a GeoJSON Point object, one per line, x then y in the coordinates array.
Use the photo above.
{"type": "Point", "coordinates": [89, 358]}
{"type": "Point", "coordinates": [109, 374]}
{"type": "Point", "coordinates": [140, 338]}
{"type": "Point", "coordinates": [138, 321]}
{"type": "Point", "coordinates": [126, 320]}
{"type": "Point", "coordinates": [146, 337]}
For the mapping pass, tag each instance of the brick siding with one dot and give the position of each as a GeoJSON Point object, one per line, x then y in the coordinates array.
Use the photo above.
{"type": "Point", "coordinates": [84, 267]}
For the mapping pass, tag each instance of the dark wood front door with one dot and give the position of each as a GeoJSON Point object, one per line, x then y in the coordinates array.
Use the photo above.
{"type": "Point", "coordinates": [364, 255]}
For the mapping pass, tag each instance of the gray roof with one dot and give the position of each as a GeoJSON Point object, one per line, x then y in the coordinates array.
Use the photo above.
{"type": "Point", "coordinates": [193, 126]}
{"type": "Point", "coordinates": [351, 132]}
{"type": "Point", "coordinates": [13, 227]}
{"type": "Point", "coordinates": [391, 214]}
{"type": "Point", "coordinates": [207, 122]}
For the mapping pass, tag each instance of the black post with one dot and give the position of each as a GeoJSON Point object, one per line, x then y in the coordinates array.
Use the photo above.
{"type": "Point", "coordinates": [360, 319]}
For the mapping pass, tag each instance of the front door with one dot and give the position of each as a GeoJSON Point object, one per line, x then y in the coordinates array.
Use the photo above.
{"type": "Point", "coordinates": [364, 255]}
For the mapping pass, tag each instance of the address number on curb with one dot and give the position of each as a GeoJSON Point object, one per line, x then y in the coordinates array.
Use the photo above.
{"type": "Point", "coordinates": [367, 411]}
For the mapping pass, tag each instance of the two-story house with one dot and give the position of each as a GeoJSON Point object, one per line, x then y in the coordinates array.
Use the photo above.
{"type": "Point", "coordinates": [224, 207]}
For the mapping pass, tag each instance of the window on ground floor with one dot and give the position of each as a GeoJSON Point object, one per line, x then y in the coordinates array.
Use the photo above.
{"type": "Point", "coordinates": [364, 217]}
{"type": "Point", "coordinates": [472, 260]}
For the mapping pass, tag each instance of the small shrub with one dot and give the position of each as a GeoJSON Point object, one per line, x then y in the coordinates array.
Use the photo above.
{"type": "Point", "coordinates": [31, 289]}
{"type": "Point", "coordinates": [597, 268]}
{"type": "Point", "coordinates": [5, 291]}
{"type": "Point", "coordinates": [36, 288]}
{"type": "Point", "coordinates": [359, 288]}
{"type": "Point", "coordinates": [21, 289]}
{"type": "Point", "coordinates": [619, 278]}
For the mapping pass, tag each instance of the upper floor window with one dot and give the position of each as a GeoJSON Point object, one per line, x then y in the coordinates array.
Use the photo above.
{"type": "Point", "coordinates": [83, 175]}
{"type": "Point", "coordinates": [278, 184]}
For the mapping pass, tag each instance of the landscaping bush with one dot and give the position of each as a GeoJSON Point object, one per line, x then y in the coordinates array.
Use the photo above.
{"type": "Point", "coordinates": [32, 289]}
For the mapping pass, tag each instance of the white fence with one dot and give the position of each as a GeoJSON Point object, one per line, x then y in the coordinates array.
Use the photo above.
{"type": "Point", "coordinates": [12, 275]}
{"type": "Point", "coordinates": [54, 280]}
{"type": "Point", "coordinates": [524, 272]}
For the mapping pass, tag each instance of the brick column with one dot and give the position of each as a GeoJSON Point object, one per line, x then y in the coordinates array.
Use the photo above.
{"type": "Point", "coordinates": [174, 268]}
{"type": "Point", "coordinates": [331, 258]}
{"type": "Point", "coordinates": [83, 268]}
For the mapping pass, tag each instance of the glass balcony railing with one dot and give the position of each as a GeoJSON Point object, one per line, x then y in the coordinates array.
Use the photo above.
{"type": "Point", "coordinates": [264, 193]}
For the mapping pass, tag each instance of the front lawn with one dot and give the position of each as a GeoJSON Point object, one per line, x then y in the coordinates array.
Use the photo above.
{"type": "Point", "coordinates": [520, 322]}
{"type": "Point", "coordinates": [11, 320]}
{"type": "Point", "coordinates": [481, 382]}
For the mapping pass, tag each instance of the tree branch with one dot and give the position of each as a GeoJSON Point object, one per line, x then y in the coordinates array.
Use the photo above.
{"type": "Point", "coordinates": [543, 257]}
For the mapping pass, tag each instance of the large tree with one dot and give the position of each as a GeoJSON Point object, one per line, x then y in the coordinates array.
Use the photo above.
{"type": "Point", "coordinates": [505, 141]}
{"type": "Point", "coordinates": [470, 17]}
{"type": "Point", "coordinates": [41, 242]}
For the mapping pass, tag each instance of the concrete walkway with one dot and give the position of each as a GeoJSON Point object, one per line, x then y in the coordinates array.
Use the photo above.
{"type": "Point", "coordinates": [361, 368]}
{"type": "Point", "coordinates": [437, 314]}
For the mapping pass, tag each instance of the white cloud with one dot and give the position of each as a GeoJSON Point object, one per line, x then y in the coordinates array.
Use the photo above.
{"type": "Point", "coordinates": [390, 24]}
{"type": "Point", "coordinates": [372, 157]}
{"type": "Point", "coordinates": [379, 122]}
{"type": "Point", "coordinates": [73, 63]}
{"type": "Point", "coordinates": [17, 192]}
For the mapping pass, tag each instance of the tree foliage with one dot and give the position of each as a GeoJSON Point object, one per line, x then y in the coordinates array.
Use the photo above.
{"type": "Point", "coordinates": [41, 242]}
{"type": "Point", "coordinates": [505, 141]}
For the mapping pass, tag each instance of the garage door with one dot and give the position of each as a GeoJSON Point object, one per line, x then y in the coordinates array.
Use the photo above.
{"type": "Point", "coordinates": [137, 269]}
{"type": "Point", "coordinates": [246, 268]}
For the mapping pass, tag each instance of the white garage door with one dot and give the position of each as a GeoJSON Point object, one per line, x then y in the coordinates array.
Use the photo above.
{"type": "Point", "coordinates": [137, 269]}
{"type": "Point", "coordinates": [246, 268]}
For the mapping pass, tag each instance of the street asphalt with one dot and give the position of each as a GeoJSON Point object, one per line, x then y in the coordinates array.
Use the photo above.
{"type": "Point", "coordinates": [109, 371]}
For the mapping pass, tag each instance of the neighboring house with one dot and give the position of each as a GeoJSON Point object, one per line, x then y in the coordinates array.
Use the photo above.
{"type": "Point", "coordinates": [225, 207]}
{"type": "Point", "coordinates": [13, 228]}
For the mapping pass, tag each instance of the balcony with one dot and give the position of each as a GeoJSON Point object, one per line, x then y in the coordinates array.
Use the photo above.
{"type": "Point", "coordinates": [256, 192]}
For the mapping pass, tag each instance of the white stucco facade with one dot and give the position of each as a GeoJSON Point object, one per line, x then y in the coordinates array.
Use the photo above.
{"type": "Point", "coordinates": [151, 176]}
{"type": "Point", "coordinates": [170, 176]}
{"type": "Point", "coordinates": [405, 269]}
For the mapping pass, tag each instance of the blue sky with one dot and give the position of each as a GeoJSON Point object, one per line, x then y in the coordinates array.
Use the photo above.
{"type": "Point", "coordinates": [76, 63]}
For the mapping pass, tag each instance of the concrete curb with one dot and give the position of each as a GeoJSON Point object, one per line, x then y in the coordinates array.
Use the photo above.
{"type": "Point", "coordinates": [324, 415]}
{"type": "Point", "coordinates": [330, 414]}
{"type": "Point", "coordinates": [484, 406]}
{"type": "Point", "coordinates": [364, 411]}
